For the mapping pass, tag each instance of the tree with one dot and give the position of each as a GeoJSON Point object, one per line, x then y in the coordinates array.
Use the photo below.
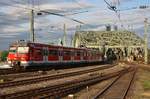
{"type": "Point", "coordinates": [0, 55]}
{"type": "Point", "coordinates": [4, 55]}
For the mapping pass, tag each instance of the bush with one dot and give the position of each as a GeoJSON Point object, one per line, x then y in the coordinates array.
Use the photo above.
{"type": "Point", "coordinates": [146, 85]}
{"type": "Point", "coordinates": [4, 55]}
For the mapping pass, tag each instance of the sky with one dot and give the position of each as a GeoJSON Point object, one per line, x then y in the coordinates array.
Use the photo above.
{"type": "Point", "coordinates": [95, 14]}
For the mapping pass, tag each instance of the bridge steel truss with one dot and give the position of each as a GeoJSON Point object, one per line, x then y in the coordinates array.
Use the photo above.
{"type": "Point", "coordinates": [108, 39]}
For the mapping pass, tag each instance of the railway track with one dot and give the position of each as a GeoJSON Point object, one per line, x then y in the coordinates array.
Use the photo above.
{"type": "Point", "coordinates": [40, 72]}
{"type": "Point", "coordinates": [118, 88]}
{"type": "Point", "coordinates": [6, 71]}
{"type": "Point", "coordinates": [50, 77]}
{"type": "Point", "coordinates": [60, 90]}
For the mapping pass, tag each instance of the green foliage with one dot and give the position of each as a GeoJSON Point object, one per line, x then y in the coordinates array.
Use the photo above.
{"type": "Point", "coordinates": [148, 55]}
{"type": "Point", "coordinates": [4, 55]}
{"type": "Point", "coordinates": [144, 78]}
{"type": "Point", "coordinates": [146, 85]}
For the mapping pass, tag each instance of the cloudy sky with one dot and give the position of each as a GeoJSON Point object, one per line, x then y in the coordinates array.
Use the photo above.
{"type": "Point", "coordinates": [95, 14]}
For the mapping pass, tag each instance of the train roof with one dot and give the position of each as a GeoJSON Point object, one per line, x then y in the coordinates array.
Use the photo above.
{"type": "Point", "coordinates": [57, 46]}
{"type": "Point", "coordinates": [28, 43]}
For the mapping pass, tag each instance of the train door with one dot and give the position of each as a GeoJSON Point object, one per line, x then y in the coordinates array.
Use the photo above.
{"type": "Point", "coordinates": [60, 55]}
{"type": "Point", "coordinates": [72, 55]}
{"type": "Point", "coordinates": [81, 55]}
{"type": "Point", "coordinates": [45, 54]}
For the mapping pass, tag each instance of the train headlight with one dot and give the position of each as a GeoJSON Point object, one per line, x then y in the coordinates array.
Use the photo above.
{"type": "Point", "coordinates": [22, 58]}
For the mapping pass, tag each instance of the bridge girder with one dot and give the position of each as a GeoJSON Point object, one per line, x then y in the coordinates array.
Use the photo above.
{"type": "Point", "coordinates": [111, 39]}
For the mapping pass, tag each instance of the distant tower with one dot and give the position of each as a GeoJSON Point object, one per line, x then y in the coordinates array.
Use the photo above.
{"type": "Point", "coordinates": [115, 27]}
{"type": "Point", "coordinates": [108, 27]}
{"type": "Point", "coordinates": [64, 36]}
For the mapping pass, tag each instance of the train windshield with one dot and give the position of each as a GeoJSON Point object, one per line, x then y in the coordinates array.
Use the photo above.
{"type": "Point", "coordinates": [23, 50]}
{"type": "Point", "coordinates": [12, 50]}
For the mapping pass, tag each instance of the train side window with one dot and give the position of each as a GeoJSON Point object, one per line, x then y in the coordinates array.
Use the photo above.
{"type": "Point", "coordinates": [53, 52]}
{"type": "Point", "coordinates": [89, 54]}
{"type": "Point", "coordinates": [81, 53]}
{"type": "Point", "coordinates": [72, 53]}
{"type": "Point", "coordinates": [94, 53]}
{"type": "Point", "coordinates": [78, 53]}
{"type": "Point", "coordinates": [60, 53]}
{"type": "Point", "coordinates": [67, 53]}
{"type": "Point", "coordinates": [85, 54]}
{"type": "Point", "coordinates": [38, 52]}
{"type": "Point", "coordinates": [45, 52]}
{"type": "Point", "coordinates": [31, 51]}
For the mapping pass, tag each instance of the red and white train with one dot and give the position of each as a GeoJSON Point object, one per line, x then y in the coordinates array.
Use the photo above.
{"type": "Point", "coordinates": [25, 54]}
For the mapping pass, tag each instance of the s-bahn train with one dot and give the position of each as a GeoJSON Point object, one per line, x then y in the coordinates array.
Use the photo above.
{"type": "Point", "coordinates": [25, 54]}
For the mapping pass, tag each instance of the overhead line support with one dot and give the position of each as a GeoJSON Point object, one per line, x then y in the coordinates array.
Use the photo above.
{"type": "Point", "coordinates": [32, 35]}
{"type": "Point", "coordinates": [146, 41]}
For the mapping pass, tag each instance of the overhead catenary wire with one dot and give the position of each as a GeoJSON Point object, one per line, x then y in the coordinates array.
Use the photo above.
{"type": "Point", "coordinates": [77, 2]}
{"type": "Point", "coordinates": [61, 14]}
{"type": "Point", "coordinates": [29, 8]}
{"type": "Point", "coordinates": [117, 11]}
{"type": "Point", "coordinates": [51, 13]}
{"type": "Point", "coordinates": [38, 4]}
{"type": "Point", "coordinates": [114, 8]}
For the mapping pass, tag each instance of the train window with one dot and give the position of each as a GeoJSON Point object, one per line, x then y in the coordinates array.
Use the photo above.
{"type": "Point", "coordinates": [85, 54]}
{"type": "Point", "coordinates": [60, 53]}
{"type": "Point", "coordinates": [89, 53]}
{"type": "Point", "coordinates": [38, 52]}
{"type": "Point", "coordinates": [12, 50]}
{"type": "Point", "coordinates": [53, 52]}
{"type": "Point", "coordinates": [45, 52]}
{"type": "Point", "coordinates": [67, 53]}
{"type": "Point", "coordinates": [31, 51]}
{"type": "Point", "coordinates": [78, 53]}
{"type": "Point", "coordinates": [94, 53]}
{"type": "Point", "coordinates": [81, 53]}
{"type": "Point", "coordinates": [72, 53]}
{"type": "Point", "coordinates": [23, 50]}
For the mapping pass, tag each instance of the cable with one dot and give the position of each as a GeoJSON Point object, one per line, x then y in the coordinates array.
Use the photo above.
{"type": "Point", "coordinates": [77, 2]}
{"type": "Point", "coordinates": [113, 8]}
{"type": "Point", "coordinates": [62, 16]}
{"type": "Point", "coordinates": [75, 13]}
{"type": "Point", "coordinates": [38, 4]}
{"type": "Point", "coordinates": [45, 12]}
{"type": "Point", "coordinates": [16, 6]}
{"type": "Point", "coordinates": [17, 2]}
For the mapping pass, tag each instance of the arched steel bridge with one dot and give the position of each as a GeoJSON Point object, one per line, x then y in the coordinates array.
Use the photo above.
{"type": "Point", "coordinates": [111, 39]}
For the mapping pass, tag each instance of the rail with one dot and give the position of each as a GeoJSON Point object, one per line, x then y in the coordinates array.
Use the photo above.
{"type": "Point", "coordinates": [103, 93]}
{"type": "Point", "coordinates": [59, 90]}
{"type": "Point", "coordinates": [50, 77]}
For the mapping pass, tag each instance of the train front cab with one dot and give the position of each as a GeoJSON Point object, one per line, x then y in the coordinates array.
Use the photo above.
{"type": "Point", "coordinates": [18, 56]}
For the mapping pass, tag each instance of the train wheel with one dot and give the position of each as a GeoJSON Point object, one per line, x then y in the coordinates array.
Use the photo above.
{"type": "Point", "coordinates": [17, 67]}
